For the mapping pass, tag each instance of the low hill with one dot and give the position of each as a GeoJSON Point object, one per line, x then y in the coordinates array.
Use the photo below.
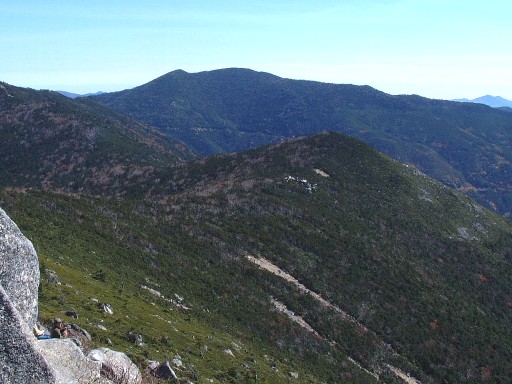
{"type": "Point", "coordinates": [313, 260]}
{"type": "Point", "coordinates": [466, 146]}
{"type": "Point", "coordinates": [49, 141]}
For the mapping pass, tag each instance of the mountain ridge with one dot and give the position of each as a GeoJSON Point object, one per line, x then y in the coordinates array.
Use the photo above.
{"type": "Point", "coordinates": [72, 95]}
{"type": "Point", "coordinates": [491, 101]}
{"type": "Point", "coordinates": [464, 145]}
{"type": "Point", "coordinates": [423, 269]}
{"type": "Point", "coordinates": [416, 263]}
{"type": "Point", "coordinates": [72, 144]}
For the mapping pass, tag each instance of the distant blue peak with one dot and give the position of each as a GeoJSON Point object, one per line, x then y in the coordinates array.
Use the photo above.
{"type": "Point", "coordinates": [492, 101]}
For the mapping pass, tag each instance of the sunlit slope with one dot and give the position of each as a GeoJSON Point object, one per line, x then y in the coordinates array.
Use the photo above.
{"type": "Point", "coordinates": [320, 253]}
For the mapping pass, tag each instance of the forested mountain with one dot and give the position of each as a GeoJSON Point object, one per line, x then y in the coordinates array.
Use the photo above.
{"type": "Point", "coordinates": [467, 146]}
{"type": "Point", "coordinates": [51, 142]}
{"type": "Point", "coordinates": [314, 260]}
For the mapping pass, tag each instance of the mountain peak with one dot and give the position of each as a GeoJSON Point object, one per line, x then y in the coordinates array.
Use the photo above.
{"type": "Point", "coordinates": [491, 101]}
{"type": "Point", "coordinates": [235, 109]}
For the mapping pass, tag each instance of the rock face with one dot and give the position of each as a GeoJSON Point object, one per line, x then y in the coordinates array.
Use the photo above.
{"type": "Point", "coordinates": [23, 358]}
{"type": "Point", "coordinates": [20, 362]}
{"type": "Point", "coordinates": [116, 366]}
{"type": "Point", "coordinates": [19, 269]}
{"type": "Point", "coordinates": [69, 362]}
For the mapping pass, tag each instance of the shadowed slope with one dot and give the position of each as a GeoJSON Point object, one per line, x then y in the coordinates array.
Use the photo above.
{"type": "Point", "coordinates": [49, 141]}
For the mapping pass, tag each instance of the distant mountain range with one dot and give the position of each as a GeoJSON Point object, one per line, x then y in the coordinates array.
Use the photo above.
{"type": "Point", "coordinates": [491, 101]}
{"type": "Point", "coordinates": [464, 145]}
{"type": "Point", "coordinates": [76, 95]}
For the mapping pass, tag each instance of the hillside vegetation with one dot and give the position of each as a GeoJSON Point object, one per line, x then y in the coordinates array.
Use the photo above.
{"type": "Point", "coordinates": [51, 142]}
{"type": "Point", "coordinates": [466, 146]}
{"type": "Point", "coordinates": [399, 274]}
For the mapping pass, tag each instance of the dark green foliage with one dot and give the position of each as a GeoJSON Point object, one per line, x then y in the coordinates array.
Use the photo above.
{"type": "Point", "coordinates": [422, 268]}
{"type": "Point", "coordinates": [464, 145]}
{"type": "Point", "coordinates": [50, 141]}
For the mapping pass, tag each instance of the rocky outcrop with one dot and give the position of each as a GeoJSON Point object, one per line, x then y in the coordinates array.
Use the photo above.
{"type": "Point", "coordinates": [116, 366]}
{"type": "Point", "coordinates": [19, 269]}
{"type": "Point", "coordinates": [23, 358]}
{"type": "Point", "coordinates": [20, 361]}
{"type": "Point", "coordinates": [163, 371]}
{"type": "Point", "coordinates": [69, 362]}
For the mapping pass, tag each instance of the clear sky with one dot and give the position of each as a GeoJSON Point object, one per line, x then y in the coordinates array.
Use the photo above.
{"type": "Point", "coordinates": [435, 48]}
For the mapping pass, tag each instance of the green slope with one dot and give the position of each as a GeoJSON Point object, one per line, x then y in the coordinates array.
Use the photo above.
{"type": "Point", "coordinates": [421, 270]}
{"type": "Point", "coordinates": [463, 145]}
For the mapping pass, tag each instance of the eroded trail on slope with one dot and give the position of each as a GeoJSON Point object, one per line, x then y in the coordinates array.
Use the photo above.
{"type": "Point", "coordinates": [268, 266]}
{"type": "Point", "coordinates": [274, 269]}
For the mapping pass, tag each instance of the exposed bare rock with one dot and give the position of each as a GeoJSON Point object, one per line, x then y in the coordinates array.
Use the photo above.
{"type": "Point", "coordinates": [19, 269]}
{"type": "Point", "coordinates": [164, 371]}
{"type": "Point", "coordinates": [106, 308]}
{"type": "Point", "coordinates": [20, 362]}
{"type": "Point", "coordinates": [69, 362]}
{"type": "Point", "coordinates": [116, 366]}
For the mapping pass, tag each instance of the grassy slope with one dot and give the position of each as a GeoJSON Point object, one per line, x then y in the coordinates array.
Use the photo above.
{"type": "Point", "coordinates": [423, 267]}
{"type": "Point", "coordinates": [109, 249]}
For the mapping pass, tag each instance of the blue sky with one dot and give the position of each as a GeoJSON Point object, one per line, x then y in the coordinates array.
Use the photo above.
{"type": "Point", "coordinates": [439, 49]}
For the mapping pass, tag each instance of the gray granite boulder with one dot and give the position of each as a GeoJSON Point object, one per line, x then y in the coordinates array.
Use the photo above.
{"type": "Point", "coordinates": [19, 269]}
{"type": "Point", "coordinates": [116, 366]}
{"type": "Point", "coordinates": [20, 361]}
{"type": "Point", "coordinates": [164, 371]}
{"type": "Point", "coordinates": [70, 364]}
